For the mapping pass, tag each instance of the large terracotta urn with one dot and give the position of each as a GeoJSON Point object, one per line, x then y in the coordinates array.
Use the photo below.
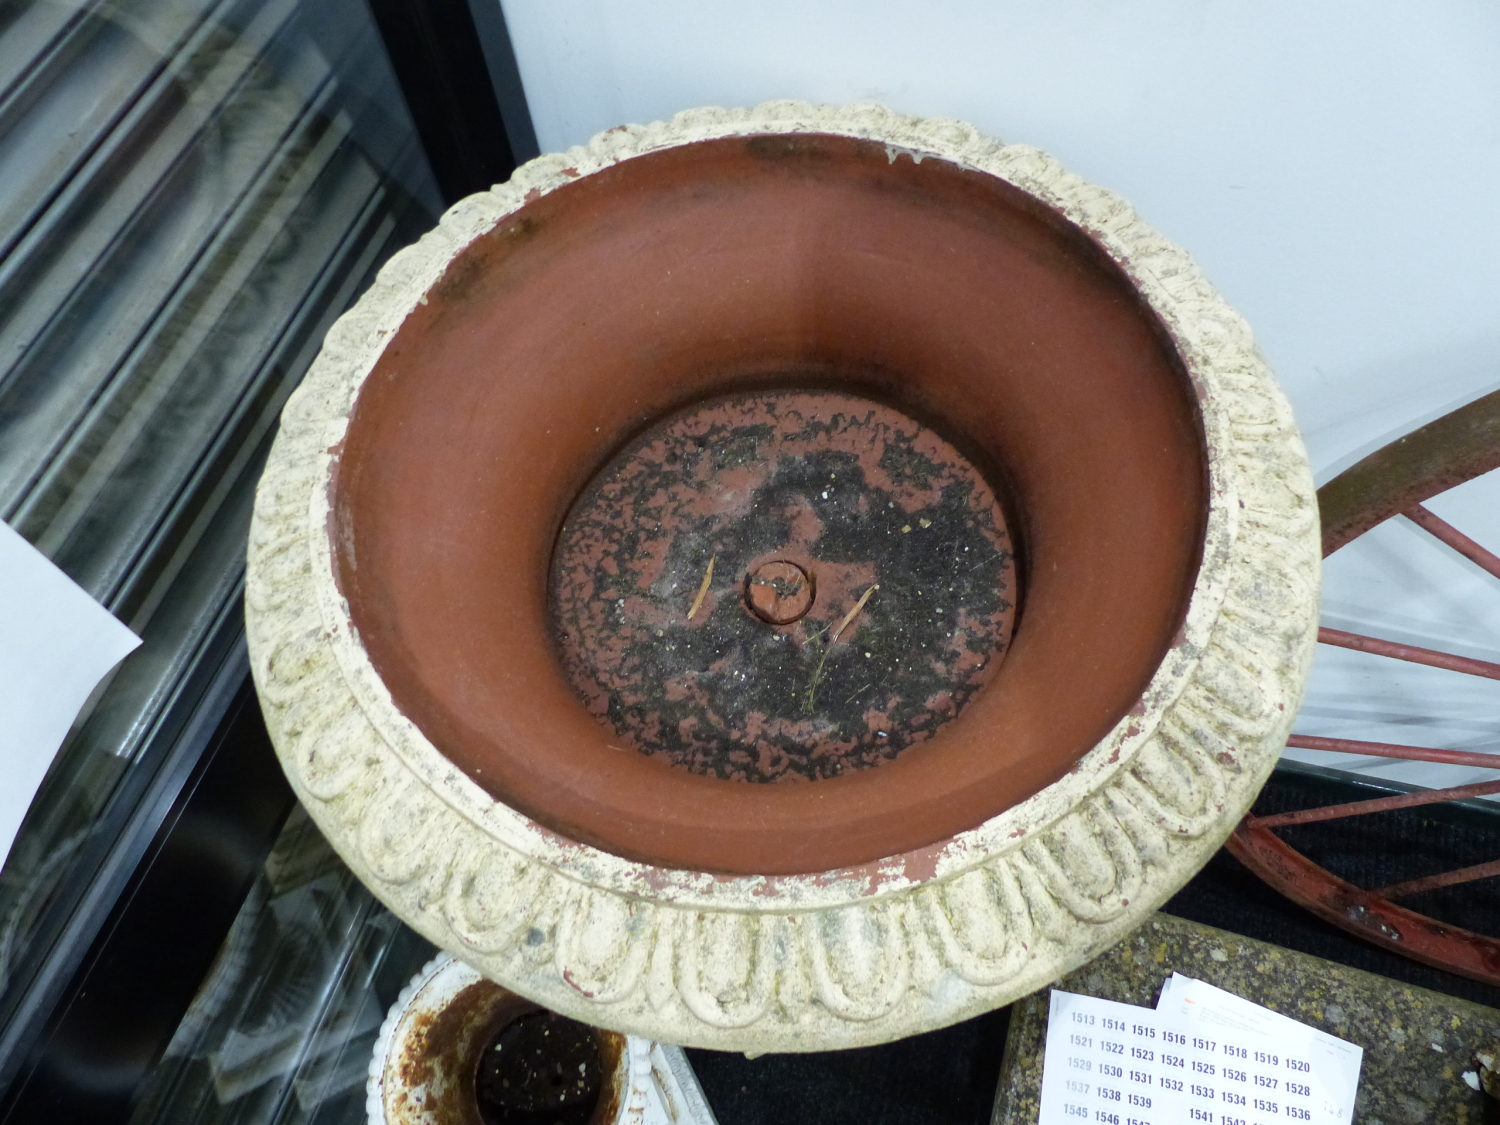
{"type": "Point", "coordinates": [783, 579]}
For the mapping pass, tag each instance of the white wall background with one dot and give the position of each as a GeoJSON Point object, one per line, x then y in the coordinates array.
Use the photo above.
{"type": "Point", "coordinates": [1334, 167]}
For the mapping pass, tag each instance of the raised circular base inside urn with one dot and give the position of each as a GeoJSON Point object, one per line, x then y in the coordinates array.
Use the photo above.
{"type": "Point", "coordinates": [783, 586]}
{"type": "Point", "coordinates": [725, 268]}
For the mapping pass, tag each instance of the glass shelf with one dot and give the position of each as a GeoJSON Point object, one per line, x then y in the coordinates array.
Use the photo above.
{"type": "Point", "coordinates": [283, 1029]}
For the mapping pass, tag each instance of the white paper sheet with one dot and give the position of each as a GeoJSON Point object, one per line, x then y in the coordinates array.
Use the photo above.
{"type": "Point", "coordinates": [1105, 1065]}
{"type": "Point", "coordinates": [1203, 1056]}
{"type": "Point", "coordinates": [1332, 1074]}
{"type": "Point", "coordinates": [56, 644]}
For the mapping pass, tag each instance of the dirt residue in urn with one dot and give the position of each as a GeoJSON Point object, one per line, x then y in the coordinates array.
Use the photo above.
{"type": "Point", "coordinates": [714, 589]}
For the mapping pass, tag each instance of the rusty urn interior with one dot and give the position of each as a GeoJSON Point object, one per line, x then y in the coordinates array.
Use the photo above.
{"type": "Point", "coordinates": [486, 1056]}
{"type": "Point", "coordinates": [772, 504]}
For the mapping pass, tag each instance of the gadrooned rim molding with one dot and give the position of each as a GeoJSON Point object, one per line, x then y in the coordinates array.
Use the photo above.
{"type": "Point", "coordinates": [841, 958]}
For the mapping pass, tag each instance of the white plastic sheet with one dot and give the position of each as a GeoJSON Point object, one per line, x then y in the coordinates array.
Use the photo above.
{"type": "Point", "coordinates": [56, 644]}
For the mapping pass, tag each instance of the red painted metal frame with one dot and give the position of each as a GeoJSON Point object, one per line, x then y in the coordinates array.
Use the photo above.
{"type": "Point", "coordinates": [1409, 653]}
{"type": "Point", "coordinates": [1445, 531]}
{"type": "Point", "coordinates": [1395, 480]}
{"type": "Point", "coordinates": [1366, 914]}
{"type": "Point", "coordinates": [1380, 804]}
{"type": "Point", "coordinates": [1446, 879]}
{"type": "Point", "coordinates": [1395, 750]}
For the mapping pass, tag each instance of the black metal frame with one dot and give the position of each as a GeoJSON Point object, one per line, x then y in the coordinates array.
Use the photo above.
{"type": "Point", "coordinates": [117, 848]}
{"type": "Point", "coordinates": [455, 84]}
{"type": "Point", "coordinates": [505, 78]}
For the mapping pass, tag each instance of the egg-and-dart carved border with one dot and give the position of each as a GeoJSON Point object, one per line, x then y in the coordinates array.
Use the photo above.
{"type": "Point", "coordinates": [1007, 914]}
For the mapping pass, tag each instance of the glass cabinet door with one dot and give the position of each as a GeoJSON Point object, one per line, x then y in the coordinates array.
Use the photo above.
{"type": "Point", "coordinates": [190, 192]}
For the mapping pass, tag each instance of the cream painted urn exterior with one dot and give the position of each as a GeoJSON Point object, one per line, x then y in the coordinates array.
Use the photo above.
{"type": "Point", "coordinates": [862, 953]}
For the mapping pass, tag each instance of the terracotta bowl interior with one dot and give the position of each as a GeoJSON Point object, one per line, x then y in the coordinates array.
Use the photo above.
{"type": "Point", "coordinates": [727, 266]}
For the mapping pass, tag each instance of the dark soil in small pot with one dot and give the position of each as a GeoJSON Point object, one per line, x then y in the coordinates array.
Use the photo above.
{"type": "Point", "coordinates": [542, 1069]}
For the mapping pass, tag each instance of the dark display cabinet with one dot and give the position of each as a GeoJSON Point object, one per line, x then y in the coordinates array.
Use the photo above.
{"type": "Point", "coordinates": [191, 191]}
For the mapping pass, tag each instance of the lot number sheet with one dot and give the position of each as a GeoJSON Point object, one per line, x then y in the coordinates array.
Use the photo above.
{"type": "Point", "coordinates": [1109, 1063]}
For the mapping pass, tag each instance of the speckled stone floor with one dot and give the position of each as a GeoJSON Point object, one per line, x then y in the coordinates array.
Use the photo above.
{"type": "Point", "coordinates": [1417, 1043]}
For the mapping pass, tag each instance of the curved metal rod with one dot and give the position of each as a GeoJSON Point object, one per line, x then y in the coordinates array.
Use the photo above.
{"type": "Point", "coordinates": [1363, 913]}
{"type": "Point", "coordinates": [1433, 458]}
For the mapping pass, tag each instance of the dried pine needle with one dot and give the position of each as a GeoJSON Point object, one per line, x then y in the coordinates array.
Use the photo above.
{"type": "Point", "coordinates": [708, 577]}
{"type": "Point", "coordinates": [853, 613]}
{"type": "Point", "coordinates": [817, 676]}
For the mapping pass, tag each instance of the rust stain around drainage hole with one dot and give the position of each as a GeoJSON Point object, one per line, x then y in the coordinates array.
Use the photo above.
{"type": "Point", "coordinates": [783, 586]}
